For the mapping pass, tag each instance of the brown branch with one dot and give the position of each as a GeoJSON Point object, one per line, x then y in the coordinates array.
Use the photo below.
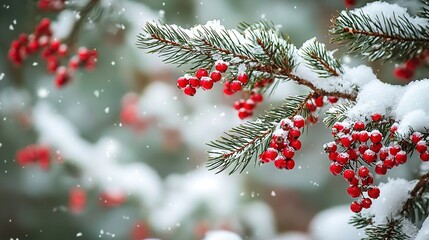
{"type": "Point", "coordinates": [325, 64]}
{"type": "Point", "coordinates": [383, 35]}
{"type": "Point", "coordinates": [417, 191]}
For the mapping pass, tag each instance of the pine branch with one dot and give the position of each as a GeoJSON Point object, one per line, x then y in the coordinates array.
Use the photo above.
{"type": "Point", "coordinates": [392, 230]}
{"type": "Point", "coordinates": [321, 60]}
{"type": "Point", "coordinates": [244, 143]}
{"type": "Point", "coordinates": [359, 221]}
{"type": "Point", "coordinates": [260, 48]}
{"type": "Point", "coordinates": [379, 37]}
{"type": "Point", "coordinates": [336, 113]}
{"type": "Point", "coordinates": [424, 11]}
{"type": "Point", "coordinates": [416, 206]}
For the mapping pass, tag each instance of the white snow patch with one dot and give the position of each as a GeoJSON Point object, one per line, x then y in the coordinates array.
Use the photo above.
{"type": "Point", "coordinates": [221, 235]}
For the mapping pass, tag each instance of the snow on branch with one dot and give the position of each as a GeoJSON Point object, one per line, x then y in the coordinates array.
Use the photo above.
{"type": "Point", "coordinates": [381, 31]}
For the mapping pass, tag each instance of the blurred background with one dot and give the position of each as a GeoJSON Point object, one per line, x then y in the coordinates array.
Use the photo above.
{"type": "Point", "coordinates": [128, 148]}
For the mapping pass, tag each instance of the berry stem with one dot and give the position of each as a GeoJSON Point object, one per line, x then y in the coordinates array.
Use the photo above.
{"type": "Point", "coordinates": [418, 190]}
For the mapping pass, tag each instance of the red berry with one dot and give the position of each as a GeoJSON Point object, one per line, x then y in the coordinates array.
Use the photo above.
{"type": "Point", "coordinates": [359, 126]}
{"type": "Point", "coordinates": [221, 66]}
{"type": "Point", "coordinates": [257, 97]}
{"type": "Point", "coordinates": [394, 149]}
{"type": "Point", "coordinates": [227, 88]}
{"type": "Point", "coordinates": [380, 169]}
{"type": "Point", "coordinates": [235, 86]}
{"type": "Point", "coordinates": [182, 82]}
{"type": "Point", "coordinates": [74, 63]}
{"type": "Point", "coordinates": [280, 163]}
{"type": "Point", "coordinates": [366, 203]}
{"type": "Point", "coordinates": [62, 77]}
{"type": "Point", "coordinates": [290, 164]}
{"type": "Point", "coordinates": [376, 136]}
{"type": "Point", "coordinates": [216, 76]}
{"type": "Point", "coordinates": [335, 168]}
{"type": "Point", "coordinates": [369, 156]}
{"type": "Point", "coordinates": [271, 154]}
{"type": "Point", "coordinates": [83, 54]}
{"type": "Point", "coordinates": [403, 73]}
{"type": "Point", "coordinates": [298, 121]}
{"type": "Point", "coordinates": [243, 113]}
{"type": "Point", "coordinates": [348, 174]}
{"type": "Point", "coordinates": [194, 82]}
{"type": "Point", "coordinates": [354, 181]}
{"type": "Point", "coordinates": [55, 44]}
{"type": "Point", "coordinates": [363, 136]}
{"type": "Point", "coordinates": [416, 137]}
{"type": "Point", "coordinates": [353, 154]}
{"type": "Point", "coordinates": [424, 156]}
{"type": "Point", "coordinates": [363, 172]}
{"type": "Point", "coordinates": [374, 193]}
{"type": "Point", "coordinates": [383, 153]}
{"type": "Point", "coordinates": [421, 147]}
{"type": "Point", "coordinates": [206, 83]}
{"type": "Point", "coordinates": [343, 158]}
{"type": "Point", "coordinates": [353, 191]}
{"type": "Point", "coordinates": [238, 104]}
{"type": "Point", "coordinates": [249, 105]}
{"type": "Point", "coordinates": [319, 101]}
{"type": "Point", "coordinates": [294, 134]}
{"type": "Point", "coordinates": [376, 147]}
{"type": "Point", "coordinates": [401, 157]}
{"type": "Point", "coordinates": [333, 156]}
{"type": "Point", "coordinates": [310, 106]}
{"type": "Point", "coordinates": [362, 148]}
{"type": "Point", "coordinates": [355, 207]}
{"type": "Point", "coordinates": [332, 99]}
{"type": "Point", "coordinates": [413, 63]}
{"type": "Point", "coordinates": [296, 144]}
{"type": "Point", "coordinates": [189, 90]}
{"type": "Point", "coordinates": [330, 147]}
{"type": "Point", "coordinates": [201, 73]}
{"type": "Point", "coordinates": [376, 117]}
{"type": "Point", "coordinates": [288, 152]}
{"type": "Point", "coordinates": [62, 50]}
{"type": "Point", "coordinates": [389, 162]}
{"type": "Point", "coordinates": [346, 141]}
{"type": "Point", "coordinates": [243, 78]}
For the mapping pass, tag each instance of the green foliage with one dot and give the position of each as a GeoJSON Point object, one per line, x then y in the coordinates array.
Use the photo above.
{"type": "Point", "coordinates": [359, 221]}
{"type": "Point", "coordinates": [381, 37]}
{"type": "Point", "coordinates": [392, 230]}
{"type": "Point", "coordinates": [321, 60]}
{"type": "Point", "coordinates": [244, 143]}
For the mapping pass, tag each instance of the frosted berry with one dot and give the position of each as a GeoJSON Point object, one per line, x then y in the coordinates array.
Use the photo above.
{"type": "Point", "coordinates": [83, 54]}
{"type": "Point", "coordinates": [62, 77]}
{"type": "Point", "coordinates": [421, 147]}
{"type": "Point", "coordinates": [355, 207]}
{"type": "Point", "coordinates": [318, 101]}
{"type": "Point", "coordinates": [332, 99]}
{"type": "Point", "coordinates": [243, 113]}
{"type": "Point", "coordinates": [288, 152]}
{"type": "Point", "coordinates": [249, 105]}
{"type": "Point", "coordinates": [359, 126]}
{"type": "Point", "coordinates": [221, 66]}
{"type": "Point", "coordinates": [298, 121]}
{"type": "Point", "coordinates": [194, 82]}
{"type": "Point", "coordinates": [401, 157]}
{"type": "Point", "coordinates": [416, 137]}
{"type": "Point", "coordinates": [376, 137]}
{"type": "Point", "coordinates": [235, 86]}
{"type": "Point", "coordinates": [201, 73]}
{"type": "Point", "coordinates": [243, 78]}
{"type": "Point", "coordinates": [290, 164]}
{"type": "Point", "coordinates": [296, 144]}
{"type": "Point", "coordinates": [369, 156]}
{"type": "Point", "coordinates": [257, 97]}
{"type": "Point", "coordinates": [182, 82]}
{"type": "Point", "coordinates": [335, 168]}
{"type": "Point", "coordinates": [380, 169]}
{"type": "Point", "coordinates": [189, 90]}
{"type": "Point", "coordinates": [376, 117]}
{"type": "Point", "coordinates": [206, 83]}
{"type": "Point", "coordinates": [363, 136]}
{"type": "Point", "coordinates": [424, 156]}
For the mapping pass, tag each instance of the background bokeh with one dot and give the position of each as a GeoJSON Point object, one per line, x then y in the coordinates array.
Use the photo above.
{"type": "Point", "coordinates": [157, 167]}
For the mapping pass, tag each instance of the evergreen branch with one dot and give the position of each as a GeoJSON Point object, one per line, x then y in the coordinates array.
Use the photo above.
{"type": "Point", "coordinates": [321, 60]}
{"type": "Point", "coordinates": [336, 113]}
{"type": "Point", "coordinates": [380, 36]}
{"type": "Point", "coordinates": [260, 50]}
{"type": "Point", "coordinates": [416, 192]}
{"type": "Point", "coordinates": [244, 143]}
{"type": "Point", "coordinates": [424, 11]}
{"type": "Point", "coordinates": [359, 221]}
{"type": "Point", "coordinates": [392, 230]}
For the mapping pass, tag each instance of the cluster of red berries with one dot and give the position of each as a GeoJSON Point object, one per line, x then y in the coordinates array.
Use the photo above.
{"type": "Point", "coordinates": [77, 200]}
{"type": "Point", "coordinates": [284, 143]}
{"type": "Point", "coordinates": [52, 51]}
{"type": "Point", "coordinates": [350, 3]}
{"type": "Point", "coordinates": [51, 5]}
{"type": "Point", "coordinates": [406, 70]}
{"type": "Point", "coordinates": [357, 140]}
{"type": "Point", "coordinates": [34, 154]}
{"type": "Point", "coordinates": [233, 86]}
{"type": "Point", "coordinates": [245, 107]}
{"type": "Point", "coordinates": [421, 146]}
{"type": "Point", "coordinates": [190, 84]}
{"type": "Point", "coordinates": [315, 103]}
